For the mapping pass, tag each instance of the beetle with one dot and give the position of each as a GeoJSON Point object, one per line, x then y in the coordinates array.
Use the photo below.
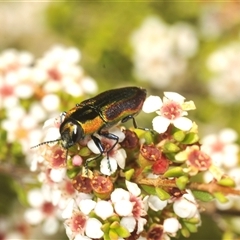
{"type": "Point", "coordinates": [98, 114]}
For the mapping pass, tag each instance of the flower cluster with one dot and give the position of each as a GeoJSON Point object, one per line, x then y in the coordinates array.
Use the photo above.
{"type": "Point", "coordinates": [224, 63]}
{"type": "Point", "coordinates": [30, 91]}
{"type": "Point", "coordinates": [40, 81]}
{"type": "Point", "coordinates": [161, 51]}
{"type": "Point", "coordinates": [141, 189]}
{"type": "Point", "coordinates": [224, 153]}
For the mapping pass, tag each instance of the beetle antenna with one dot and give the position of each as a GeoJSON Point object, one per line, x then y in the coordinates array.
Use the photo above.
{"type": "Point", "coordinates": [47, 142]}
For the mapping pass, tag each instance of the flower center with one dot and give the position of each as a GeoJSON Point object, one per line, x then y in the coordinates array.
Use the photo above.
{"type": "Point", "coordinates": [199, 160]}
{"type": "Point", "coordinates": [54, 74]}
{"type": "Point", "coordinates": [58, 158]}
{"type": "Point", "coordinates": [78, 222]}
{"type": "Point", "coordinates": [6, 90]}
{"type": "Point", "coordinates": [48, 208]}
{"type": "Point", "coordinates": [218, 146]}
{"type": "Point", "coordinates": [171, 110]}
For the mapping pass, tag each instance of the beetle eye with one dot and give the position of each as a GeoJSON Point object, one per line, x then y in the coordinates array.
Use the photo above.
{"type": "Point", "coordinates": [77, 132]}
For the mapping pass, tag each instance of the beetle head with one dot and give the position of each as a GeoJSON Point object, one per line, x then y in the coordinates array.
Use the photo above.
{"type": "Point", "coordinates": [71, 132]}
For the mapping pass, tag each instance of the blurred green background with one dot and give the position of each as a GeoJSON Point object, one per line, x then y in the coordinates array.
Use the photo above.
{"type": "Point", "coordinates": [104, 33]}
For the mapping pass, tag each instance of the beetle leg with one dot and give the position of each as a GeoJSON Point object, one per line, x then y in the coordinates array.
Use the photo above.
{"type": "Point", "coordinates": [135, 123]}
{"type": "Point", "coordinates": [99, 146]}
{"type": "Point", "coordinates": [112, 137]}
{"type": "Point", "coordinates": [130, 117]}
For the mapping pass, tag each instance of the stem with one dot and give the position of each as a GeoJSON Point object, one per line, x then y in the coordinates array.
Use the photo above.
{"type": "Point", "coordinates": [211, 187]}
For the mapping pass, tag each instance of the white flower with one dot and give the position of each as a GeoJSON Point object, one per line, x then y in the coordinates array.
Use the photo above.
{"type": "Point", "coordinates": [222, 148]}
{"type": "Point", "coordinates": [119, 194]}
{"type": "Point", "coordinates": [130, 207]}
{"type": "Point", "coordinates": [156, 204]}
{"type": "Point", "coordinates": [186, 206]}
{"type": "Point", "coordinates": [80, 237]}
{"type": "Point", "coordinates": [86, 205]}
{"type": "Point", "coordinates": [123, 207]}
{"type": "Point", "coordinates": [67, 212]}
{"type": "Point", "coordinates": [129, 223]}
{"type": "Point", "coordinates": [103, 209]}
{"type": "Point", "coordinates": [22, 127]}
{"type": "Point", "coordinates": [50, 102]}
{"type": "Point", "coordinates": [59, 70]}
{"type": "Point", "coordinates": [171, 111]}
{"type": "Point", "coordinates": [43, 209]}
{"type": "Point", "coordinates": [121, 202]}
{"type": "Point", "coordinates": [133, 188]}
{"type": "Point", "coordinates": [15, 77]}
{"type": "Point", "coordinates": [224, 63]}
{"type": "Point", "coordinates": [171, 226]}
{"type": "Point", "coordinates": [93, 228]}
{"type": "Point", "coordinates": [161, 51]}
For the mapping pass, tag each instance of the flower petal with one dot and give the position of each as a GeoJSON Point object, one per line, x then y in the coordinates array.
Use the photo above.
{"type": "Point", "coordinates": [119, 194]}
{"type": "Point", "coordinates": [174, 96]}
{"type": "Point", "coordinates": [133, 188]}
{"type": "Point", "coordinates": [160, 124]}
{"type": "Point", "coordinates": [93, 147]}
{"type": "Point", "coordinates": [108, 166]}
{"type": "Point", "coordinates": [67, 212]}
{"type": "Point", "coordinates": [33, 216]}
{"type": "Point", "coordinates": [103, 209]}
{"type": "Point", "coordinates": [87, 205]}
{"type": "Point", "coordinates": [129, 223]}
{"type": "Point", "coordinates": [183, 123]}
{"type": "Point", "coordinates": [123, 208]}
{"type": "Point", "coordinates": [152, 104]}
{"type": "Point", "coordinates": [156, 204]}
{"type": "Point", "coordinates": [50, 226]}
{"type": "Point", "coordinates": [120, 157]}
{"type": "Point", "coordinates": [228, 135]}
{"type": "Point", "coordinates": [171, 225]}
{"type": "Point", "coordinates": [93, 228]}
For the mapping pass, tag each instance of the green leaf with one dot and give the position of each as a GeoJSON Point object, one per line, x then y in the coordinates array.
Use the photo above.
{"type": "Point", "coordinates": [227, 182]}
{"type": "Point", "coordinates": [106, 236]}
{"type": "Point", "coordinates": [185, 232]}
{"type": "Point", "coordinates": [192, 220]}
{"type": "Point", "coordinates": [220, 197]}
{"type": "Point", "coordinates": [84, 152]}
{"type": "Point", "coordinates": [122, 232]}
{"type": "Point", "coordinates": [149, 137]}
{"type": "Point", "coordinates": [129, 174]}
{"type": "Point", "coordinates": [170, 147]}
{"type": "Point", "coordinates": [182, 182]}
{"type": "Point", "coordinates": [191, 138]}
{"type": "Point", "coordinates": [163, 195]}
{"type": "Point", "coordinates": [113, 234]}
{"type": "Point", "coordinates": [202, 196]}
{"type": "Point", "coordinates": [115, 224]}
{"type": "Point", "coordinates": [71, 173]}
{"type": "Point", "coordinates": [191, 227]}
{"type": "Point", "coordinates": [105, 227]}
{"type": "Point", "coordinates": [174, 172]}
{"type": "Point", "coordinates": [179, 136]}
{"type": "Point", "coordinates": [149, 189]}
{"type": "Point", "coordinates": [114, 218]}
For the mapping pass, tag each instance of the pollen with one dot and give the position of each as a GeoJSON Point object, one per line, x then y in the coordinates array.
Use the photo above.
{"type": "Point", "coordinates": [171, 110]}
